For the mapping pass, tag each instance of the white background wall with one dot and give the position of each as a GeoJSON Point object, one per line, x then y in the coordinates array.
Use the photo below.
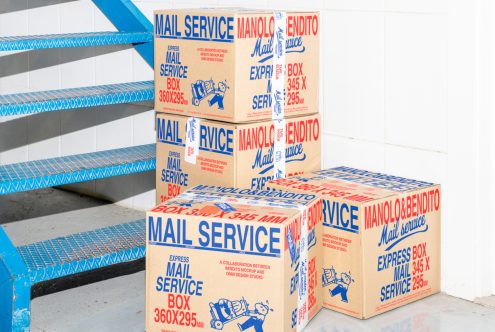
{"type": "Point", "coordinates": [405, 89]}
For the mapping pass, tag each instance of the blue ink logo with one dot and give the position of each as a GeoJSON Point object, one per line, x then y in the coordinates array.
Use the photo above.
{"type": "Point", "coordinates": [265, 161]}
{"type": "Point", "coordinates": [279, 102]}
{"type": "Point", "coordinates": [204, 89]}
{"type": "Point", "coordinates": [265, 51]}
{"type": "Point", "coordinates": [226, 311]}
{"type": "Point", "coordinates": [225, 207]}
{"type": "Point", "coordinates": [341, 216]}
{"type": "Point", "coordinates": [195, 27]}
{"type": "Point", "coordinates": [168, 131]}
{"type": "Point", "coordinates": [338, 285]}
{"type": "Point", "coordinates": [401, 231]}
{"type": "Point", "coordinates": [192, 129]}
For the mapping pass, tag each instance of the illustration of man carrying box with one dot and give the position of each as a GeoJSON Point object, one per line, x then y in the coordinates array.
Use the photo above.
{"type": "Point", "coordinates": [225, 311]}
{"type": "Point", "coordinates": [256, 318]}
{"type": "Point", "coordinates": [202, 89]}
{"type": "Point", "coordinates": [340, 285]}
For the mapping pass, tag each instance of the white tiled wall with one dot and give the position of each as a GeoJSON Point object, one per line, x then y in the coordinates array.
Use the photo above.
{"type": "Point", "coordinates": [389, 89]}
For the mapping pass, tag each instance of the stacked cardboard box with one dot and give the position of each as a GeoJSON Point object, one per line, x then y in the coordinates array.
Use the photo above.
{"type": "Point", "coordinates": [219, 63]}
{"type": "Point", "coordinates": [220, 80]}
{"type": "Point", "coordinates": [239, 155]}
{"type": "Point", "coordinates": [381, 238]}
{"type": "Point", "coordinates": [229, 259]}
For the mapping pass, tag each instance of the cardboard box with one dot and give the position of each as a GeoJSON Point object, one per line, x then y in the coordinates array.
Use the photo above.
{"type": "Point", "coordinates": [218, 63]}
{"type": "Point", "coordinates": [228, 259]}
{"type": "Point", "coordinates": [233, 155]}
{"type": "Point", "coordinates": [381, 238]}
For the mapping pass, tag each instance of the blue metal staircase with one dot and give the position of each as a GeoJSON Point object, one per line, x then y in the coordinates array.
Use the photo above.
{"type": "Point", "coordinates": [24, 266]}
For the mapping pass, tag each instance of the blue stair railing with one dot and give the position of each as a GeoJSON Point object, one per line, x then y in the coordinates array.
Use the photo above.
{"type": "Point", "coordinates": [23, 267]}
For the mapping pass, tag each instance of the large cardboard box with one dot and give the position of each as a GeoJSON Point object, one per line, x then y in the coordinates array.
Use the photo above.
{"type": "Point", "coordinates": [381, 238]}
{"type": "Point", "coordinates": [234, 155]}
{"type": "Point", "coordinates": [218, 63]}
{"type": "Point", "coordinates": [230, 259]}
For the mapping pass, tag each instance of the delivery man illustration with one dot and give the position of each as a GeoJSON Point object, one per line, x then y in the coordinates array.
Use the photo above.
{"type": "Point", "coordinates": [329, 277]}
{"type": "Point", "coordinates": [256, 318]}
{"type": "Point", "coordinates": [218, 97]}
{"type": "Point", "coordinates": [342, 286]}
{"type": "Point", "coordinates": [203, 89]}
{"type": "Point", "coordinates": [225, 311]}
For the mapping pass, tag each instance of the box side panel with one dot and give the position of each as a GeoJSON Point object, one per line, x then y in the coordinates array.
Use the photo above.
{"type": "Point", "coordinates": [303, 277]}
{"type": "Point", "coordinates": [255, 153]}
{"type": "Point", "coordinates": [203, 274]}
{"type": "Point", "coordinates": [290, 286]}
{"type": "Point", "coordinates": [401, 240]}
{"type": "Point", "coordinates": [214, 165]}
{"type": "Point", "coordinates": [316, 255]}
{"type": "Point", "coordinates": [255, 47]}
{"type": "Point", "coordinates": [194, 63]}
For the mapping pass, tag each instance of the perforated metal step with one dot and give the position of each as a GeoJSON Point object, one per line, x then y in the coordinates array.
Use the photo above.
{"type": "Point", "coordinates": [76, 168]}
{"type": "Point", "coordinates": [28, 265]}
{"type": "Point", "coordinates": [55, 100]}
{"type": "Point", "coordinates": [19, 43]}
{"type": "Point", "coordinates": [83, 252]}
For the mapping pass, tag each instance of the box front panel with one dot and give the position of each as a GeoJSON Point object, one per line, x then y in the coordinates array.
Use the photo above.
{"type": "Point", "coordinates": [255, 150]}
{"type": "Point", "coordinates": [194, 64]}
{"type": "Point", "coordinates": [401, 240]}
{"type": "Point", "coordinates": [208, 274]}
{"type": "Point", "coordinates": [215, 164]}
{"type": "Point", "coordinates": [254, 64]}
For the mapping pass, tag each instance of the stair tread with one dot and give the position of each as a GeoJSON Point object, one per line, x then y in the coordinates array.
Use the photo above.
{"type": "Point", "coordinates": [63, 99]}
{"type": "Point", "coordinates": [81, 252]}
{"type": "Point", "coordinates": [76, 168]}
{"type": "Point", "coordinates": [81, 39]}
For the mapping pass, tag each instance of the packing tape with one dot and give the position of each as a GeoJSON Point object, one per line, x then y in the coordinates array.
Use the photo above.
{"type": "Point", "coordinates": [212, 198]}
{"type": "Point", "coordinates": [278, 76]}
{"type": "Point", "coordinates": [192, 140]}
{"type": "Point", "coordinates": [278, 85]}
{"type": "Point", "coordinates": [302, 296]}
{"type": "Point", "coordinates": [279, 149]}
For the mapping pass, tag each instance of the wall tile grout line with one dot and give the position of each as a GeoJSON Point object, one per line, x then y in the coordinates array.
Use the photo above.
{"type": "Point", "coordinates": [354, 139]}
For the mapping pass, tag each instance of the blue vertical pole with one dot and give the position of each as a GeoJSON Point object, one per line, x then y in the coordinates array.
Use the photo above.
{"type": "Point", "coordinates": [15, 288]}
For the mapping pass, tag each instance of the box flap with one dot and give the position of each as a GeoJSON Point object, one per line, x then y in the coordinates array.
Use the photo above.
{"type": "Point", "coordinates": [351, 184]}
{"type": "Point", "coordinates": [238, 204]}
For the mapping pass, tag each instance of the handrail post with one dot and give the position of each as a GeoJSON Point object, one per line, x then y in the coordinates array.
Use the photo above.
{"type": "Point", "coordinates": [15, 288]}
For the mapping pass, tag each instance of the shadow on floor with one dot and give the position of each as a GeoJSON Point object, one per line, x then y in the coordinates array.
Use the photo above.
{"type": "Point", "coordinates": [33, 204]}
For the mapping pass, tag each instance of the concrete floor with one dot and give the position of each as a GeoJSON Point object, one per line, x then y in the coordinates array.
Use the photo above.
{"type": "Point", "coordinates": [118, 304]}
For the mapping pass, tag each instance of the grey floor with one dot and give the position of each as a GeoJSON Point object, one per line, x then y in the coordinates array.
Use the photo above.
{"type": "Point", "coordinates": [118, 304]}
